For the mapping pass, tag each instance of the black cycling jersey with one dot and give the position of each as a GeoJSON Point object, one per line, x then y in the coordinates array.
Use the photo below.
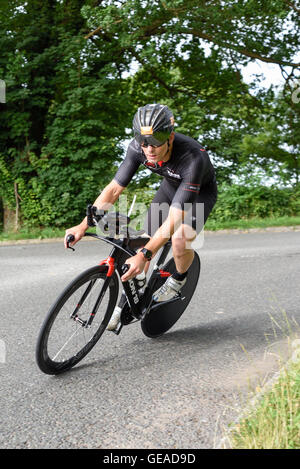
{"type": "Point", "coordinates": [189, 169]}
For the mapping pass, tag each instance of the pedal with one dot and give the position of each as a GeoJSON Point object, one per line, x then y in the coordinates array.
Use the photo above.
{"type": "Point", "coordinates": [118, 329]}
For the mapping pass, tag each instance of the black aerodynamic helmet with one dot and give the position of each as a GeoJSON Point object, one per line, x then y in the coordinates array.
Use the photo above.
{"type": "Point", "coordinates": [153, 124]}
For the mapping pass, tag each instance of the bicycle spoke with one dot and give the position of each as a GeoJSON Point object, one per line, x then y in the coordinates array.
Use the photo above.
{"type": "Point", "coordinates": [68, 333]}
{"type": "Point", "coordinates": [89, 301]}
{"type": "Point", "coordinates": [64, 346]}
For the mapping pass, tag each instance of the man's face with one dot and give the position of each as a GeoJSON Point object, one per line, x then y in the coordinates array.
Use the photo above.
{"type": "Point", "coordinates": [155, 154]}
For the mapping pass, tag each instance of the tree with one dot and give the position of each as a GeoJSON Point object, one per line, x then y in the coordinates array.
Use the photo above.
{"type": "Point", "coordinates": [274, 143]}
{"type": "Point", "coordinates": [77, 70]}
{"type": "Point", "coordinates": [189, 54]}
{"type": "Point", "coordinates": [64, 114]}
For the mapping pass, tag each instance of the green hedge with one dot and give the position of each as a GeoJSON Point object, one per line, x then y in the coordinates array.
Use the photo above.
{"type": "Point", "coordinates": [235, 202]}
{"type": "Point", "coordinates": [245, 202]}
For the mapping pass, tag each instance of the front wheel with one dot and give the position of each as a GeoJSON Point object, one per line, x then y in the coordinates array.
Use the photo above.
{"type": "Point", "coordinates": [76, 320]}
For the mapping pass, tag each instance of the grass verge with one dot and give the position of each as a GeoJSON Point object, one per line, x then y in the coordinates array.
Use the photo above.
{"type": "Point", "coordinates": [45, 233]}
{"type": "Point", "coordinates": [275, 421]}
{"type": "Point", "coordinates": [32, 233]}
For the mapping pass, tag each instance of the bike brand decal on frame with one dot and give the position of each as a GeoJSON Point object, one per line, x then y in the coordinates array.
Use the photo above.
{"type": "Point", "coordinates": [133, 291]}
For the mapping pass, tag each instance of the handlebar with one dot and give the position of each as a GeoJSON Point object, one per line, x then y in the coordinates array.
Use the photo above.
{"type": "Point", "coordinates": [70, 238]}
{"type": "Point", "coordinates": [94, 215]}
{"type": "Point", "coordinates": [112, 223]}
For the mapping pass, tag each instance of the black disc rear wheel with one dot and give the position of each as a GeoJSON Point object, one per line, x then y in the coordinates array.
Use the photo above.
{"type": "Point", "coordinates": [162, 317]}
{"type": "Point", "coordinates": [70, 330]}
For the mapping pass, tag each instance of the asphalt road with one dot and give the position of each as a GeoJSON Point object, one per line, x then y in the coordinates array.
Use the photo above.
{"type": "Point", "coordinates": [178, 391]}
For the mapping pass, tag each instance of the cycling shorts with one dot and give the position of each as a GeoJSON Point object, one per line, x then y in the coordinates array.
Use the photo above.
{"type": "Point", "coordinates": [196, 213]}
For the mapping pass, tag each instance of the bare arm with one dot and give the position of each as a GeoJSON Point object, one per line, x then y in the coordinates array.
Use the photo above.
{"type": "Point", "coordinates": [104, 201]}
{"type": "Point", "coordinates": [166, 230]}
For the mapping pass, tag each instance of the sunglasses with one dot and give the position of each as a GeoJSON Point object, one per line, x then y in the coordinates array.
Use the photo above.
{"type": "Point", "coordinates": [146, 145]}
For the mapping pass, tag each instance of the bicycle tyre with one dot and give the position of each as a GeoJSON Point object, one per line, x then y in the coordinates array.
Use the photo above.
{"type": "Point", "coordinates": [58, 321]}
{"type": "Point", "coordinates": [161, 318]}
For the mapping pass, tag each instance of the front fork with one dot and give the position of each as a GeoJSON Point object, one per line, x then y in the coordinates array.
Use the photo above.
{"type": "Point", "coordinates": [110, 263]}
{"type": "Point", "coordinates": [87, 323]}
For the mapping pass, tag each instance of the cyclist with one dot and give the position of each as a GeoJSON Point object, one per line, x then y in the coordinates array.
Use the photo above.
{"type": "Point", "coordinates": [188, 188]}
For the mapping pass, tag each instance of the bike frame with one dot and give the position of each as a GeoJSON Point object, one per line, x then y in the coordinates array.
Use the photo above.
{"type": "Point", "coordinates": [122, 250]}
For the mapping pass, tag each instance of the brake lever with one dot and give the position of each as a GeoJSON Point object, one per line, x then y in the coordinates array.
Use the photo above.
{"type": "Point", "coordinates": [70, 239]}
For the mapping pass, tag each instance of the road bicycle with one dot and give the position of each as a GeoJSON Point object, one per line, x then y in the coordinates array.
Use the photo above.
{"type": "Point", "coordinates": [80, 315]}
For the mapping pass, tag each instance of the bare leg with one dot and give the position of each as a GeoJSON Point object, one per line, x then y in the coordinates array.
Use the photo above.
{"type": "Point", "coordinates": [181, 244]}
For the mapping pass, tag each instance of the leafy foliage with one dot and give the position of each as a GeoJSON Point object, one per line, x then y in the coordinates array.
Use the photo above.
{"type": "Point", "coordinates": [64, 117]}
{"type": "Point", "coordinates": [236, 201]}
{"type": "Point", "coordinates": [75, 71]}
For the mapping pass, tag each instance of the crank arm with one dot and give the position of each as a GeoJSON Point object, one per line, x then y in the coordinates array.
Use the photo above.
{"type": "Point", "coordinates": [160, 303]}
{"type": "Point", "coordinates": [155, 305]}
